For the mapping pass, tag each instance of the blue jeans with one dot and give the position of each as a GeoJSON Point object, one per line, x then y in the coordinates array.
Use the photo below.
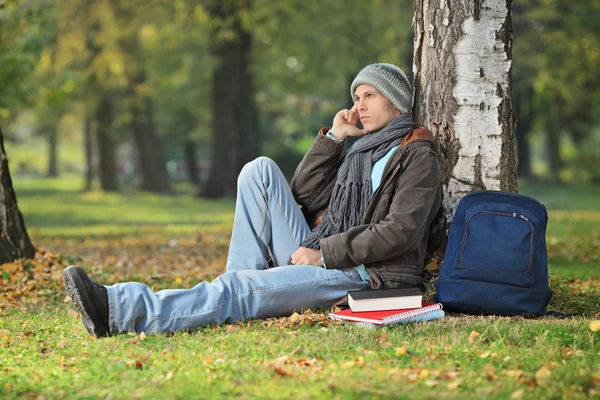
{"type": "Point", "coordinates": [267, 222]}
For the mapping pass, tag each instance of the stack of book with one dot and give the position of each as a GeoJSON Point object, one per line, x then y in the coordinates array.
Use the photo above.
{"type": "Point", "coordinates": [388, 307]}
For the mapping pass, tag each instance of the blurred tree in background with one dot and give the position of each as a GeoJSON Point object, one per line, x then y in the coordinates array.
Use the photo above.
{"type": "Point", "coordinates": [557, 85]}
{"type": "Point", "coordinates": [142, 93]}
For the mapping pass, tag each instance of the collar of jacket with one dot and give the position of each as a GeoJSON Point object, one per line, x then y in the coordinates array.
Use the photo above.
{"type": "Point", "coordinates": [419, 137]}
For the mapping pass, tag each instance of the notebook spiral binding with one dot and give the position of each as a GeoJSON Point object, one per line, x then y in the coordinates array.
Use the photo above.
{"type": "Point", "coordinates": [412, 313]}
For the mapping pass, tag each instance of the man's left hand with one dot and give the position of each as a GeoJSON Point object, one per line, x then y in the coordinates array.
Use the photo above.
{"type": "Point", "coordinates": [306, 256]}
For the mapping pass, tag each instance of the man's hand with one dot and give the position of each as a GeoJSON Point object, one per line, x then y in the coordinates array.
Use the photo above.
{"type": "Point", "coordinates": [344, 124]}
{"type": "Point", "coordinates": [306, 256]}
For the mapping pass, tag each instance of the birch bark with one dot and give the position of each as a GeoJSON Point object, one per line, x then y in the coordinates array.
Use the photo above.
{"type": "Point", "coordinates": [462, 78]}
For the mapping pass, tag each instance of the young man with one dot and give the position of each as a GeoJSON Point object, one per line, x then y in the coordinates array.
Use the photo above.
{"type": "Point", "coordinates": [363, 221]}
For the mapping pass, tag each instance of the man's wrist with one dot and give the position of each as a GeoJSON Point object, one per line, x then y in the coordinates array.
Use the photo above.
{"type": "Point", "coordinates": [335, 137]}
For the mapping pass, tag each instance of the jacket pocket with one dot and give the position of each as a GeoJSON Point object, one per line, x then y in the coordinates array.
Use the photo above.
{"type": "Point", "coordinates": [396, 275]}
{"type": "Point", "coordinates": [497, 247]}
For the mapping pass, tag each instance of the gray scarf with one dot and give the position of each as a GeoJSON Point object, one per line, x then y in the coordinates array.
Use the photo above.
{"type": "Point", "coordinates": [352, 191]}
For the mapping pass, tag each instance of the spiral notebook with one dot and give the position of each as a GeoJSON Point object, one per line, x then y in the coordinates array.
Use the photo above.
{"type": "Point", "coordinates": [389, 317]}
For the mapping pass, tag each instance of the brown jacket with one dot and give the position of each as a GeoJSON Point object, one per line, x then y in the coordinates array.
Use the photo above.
{"type": "Point", "coordinates": [393, 238]}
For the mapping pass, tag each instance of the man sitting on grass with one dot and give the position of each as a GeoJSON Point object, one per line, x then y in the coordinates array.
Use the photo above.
{"type": "Point", "coordinates": [348, 222]}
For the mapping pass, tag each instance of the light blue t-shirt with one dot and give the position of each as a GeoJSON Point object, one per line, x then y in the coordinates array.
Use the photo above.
{"type": "Point", "coordinates": [376, 175]}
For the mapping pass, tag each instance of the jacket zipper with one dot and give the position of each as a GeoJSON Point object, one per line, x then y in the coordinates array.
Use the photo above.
{"type": "Point", "coordinates": [505, 214]}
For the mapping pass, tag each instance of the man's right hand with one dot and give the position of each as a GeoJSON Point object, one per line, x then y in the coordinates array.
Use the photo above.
{"type": "Point", "coordinates": [344, 124]}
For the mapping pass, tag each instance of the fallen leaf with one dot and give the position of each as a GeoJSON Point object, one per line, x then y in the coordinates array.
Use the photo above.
{"type": "Point", "coordinates": [133, 340]}
{"type": "Point", "coordinates": [72, 313]}
{"type": "Point", "coordinates": [517, 394]}
{"type": "Point", "coordinates": [142, 335]}
{"type": "Point", "coordinates": [595, 325]}
{"type": "Point", "coordinates": [514, 373]}
{"type": "Point", "coordinates": [528, 380]}
{"type": "Point", "coordinates": [542, 373]}
{"type": "Point", "coordinates": [451, 375]}
{"type": "Point", "coordinates": [454, 384]}
{"type": "Point", "coordinates": [485, 355]}
{"type": "Point", "coordinates": [283, 372]}
{"type": "Point", "coordinates": [169, 375]}
{"type": "Point", "coordinates": [61, 344]}
{"type": "Point", "coordinates": [472, 337]}
{"type": "Point", "coordinates": [359, 361]}
{"type": "Point", "coordinates": [400, 351]}
{"type": "Point", "coordinates": [433, 264]}
{"type": "Point", "coordinates": [280, 361]}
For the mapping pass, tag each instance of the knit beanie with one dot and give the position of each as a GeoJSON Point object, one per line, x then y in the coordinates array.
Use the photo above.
{"type": "Point", "coordinates": [390, 81]}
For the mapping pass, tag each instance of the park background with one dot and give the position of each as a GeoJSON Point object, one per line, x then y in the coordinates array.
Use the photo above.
{"type": "Point", "coordinates": [107, 111]}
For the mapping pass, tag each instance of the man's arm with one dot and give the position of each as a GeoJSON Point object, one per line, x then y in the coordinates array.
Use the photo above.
{"type": "Point", "coordinates": [314, 178]}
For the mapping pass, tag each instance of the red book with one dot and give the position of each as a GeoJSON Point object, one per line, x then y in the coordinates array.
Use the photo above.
{"type": "Point", "coordinates": [388, 316]}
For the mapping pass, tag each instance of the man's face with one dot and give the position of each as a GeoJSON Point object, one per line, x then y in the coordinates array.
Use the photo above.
{"type": "Point", "coordinates": [374, 110]}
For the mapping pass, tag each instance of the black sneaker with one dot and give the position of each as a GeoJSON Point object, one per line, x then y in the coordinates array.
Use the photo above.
{"type": "Point", "coordinates": [90, 298]}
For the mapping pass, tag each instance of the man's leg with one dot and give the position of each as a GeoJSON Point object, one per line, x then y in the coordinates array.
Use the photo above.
{"type": "Point", "coordinates": [266, 216]}
{"type": "Point", "coordinates": [233, 296]}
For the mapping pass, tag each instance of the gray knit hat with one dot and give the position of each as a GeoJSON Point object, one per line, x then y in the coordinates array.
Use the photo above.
{"type": "Point", "coordinates": [390, 81]}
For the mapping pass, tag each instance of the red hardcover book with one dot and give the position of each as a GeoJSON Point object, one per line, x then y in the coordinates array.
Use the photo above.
{"type": "Point", "coordinates": [388, 316]}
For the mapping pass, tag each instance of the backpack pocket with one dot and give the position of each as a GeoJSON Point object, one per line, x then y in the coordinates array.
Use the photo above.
{"type": "Point", "coordinates": [497, 247]}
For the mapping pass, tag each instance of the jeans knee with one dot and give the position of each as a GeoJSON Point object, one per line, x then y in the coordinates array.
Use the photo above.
{"type": "Point", "coordinates": [256, 169]}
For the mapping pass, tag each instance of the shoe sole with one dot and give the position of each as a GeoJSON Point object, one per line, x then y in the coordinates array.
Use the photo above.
{"type": "Point", "coordinates": [76, 289]}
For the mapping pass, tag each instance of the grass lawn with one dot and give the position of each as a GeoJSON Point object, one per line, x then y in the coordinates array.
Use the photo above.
{"type": "Point", "coordinates": [175, 241]}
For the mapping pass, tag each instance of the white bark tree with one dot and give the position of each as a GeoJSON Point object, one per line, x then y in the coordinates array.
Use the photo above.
{"type": "Point", "coordinates": [462, 78]}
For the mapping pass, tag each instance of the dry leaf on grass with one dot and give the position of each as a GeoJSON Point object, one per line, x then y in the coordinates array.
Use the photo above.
{"type": "Point", "coordinates": [542, 374]}
{"type": "Point", "coordinates": [400, 351]}
{"type": "Point", "coordinates": [454, 384]}
{"type": "Point", "coordinates": [283, 372]}
{"type": "Point", "coordinates": [595, 325]}
{"type": "Point", "coordinates": [472, 336]}
{"type": "Point", "coordinates": [280, 361]}
{"type": "Point", "coordinates": [485, 355]}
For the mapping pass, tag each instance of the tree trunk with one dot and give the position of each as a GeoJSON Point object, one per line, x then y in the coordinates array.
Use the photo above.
{"type": "Point", "coordinates": [553, 142]}
{"type": "Point", "coordinates": [235, 139]}
{"type": "Point", "coordinates": [524, 111]}
{"type": "Point", "coordinates": [189, 148]}
{"type": "Point", "coordinates": [53, 153]}
{"type": "Point", "coordinates": [462, 74]}
{"type": "Point", "coordinates": [89, 153]}
{"type": "Point", "coordinates": [106, 144]}
{"type": "Point", "coordinates": [148, 142]}
{"type": "Point", "coordinates": [14, 240]}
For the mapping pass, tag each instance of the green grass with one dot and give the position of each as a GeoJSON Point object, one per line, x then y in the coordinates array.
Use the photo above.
{"type": "Point", "coordinates": [573, 236]}
{"type": "Point", "coordinates": [174, 241]}
{"type": "Point", "coordinates": [58, 208]}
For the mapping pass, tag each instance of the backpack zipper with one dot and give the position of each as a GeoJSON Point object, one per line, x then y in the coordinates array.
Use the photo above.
{"type": "Point", "coordinates": [505, 214]}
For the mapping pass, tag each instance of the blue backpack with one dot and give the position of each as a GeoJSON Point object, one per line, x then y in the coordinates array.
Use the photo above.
{"type": "Point", "coordinates": [496, 261]}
